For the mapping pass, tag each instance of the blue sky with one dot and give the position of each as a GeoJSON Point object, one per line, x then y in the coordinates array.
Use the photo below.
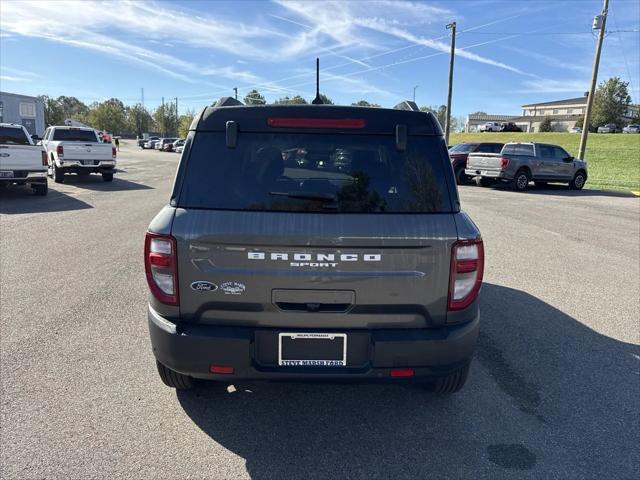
{"type": "Point", "coordinates": [509, 52]}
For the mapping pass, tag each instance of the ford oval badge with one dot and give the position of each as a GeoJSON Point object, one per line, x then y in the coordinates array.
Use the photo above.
{"type": "Point", "coordinates": [202, 286]}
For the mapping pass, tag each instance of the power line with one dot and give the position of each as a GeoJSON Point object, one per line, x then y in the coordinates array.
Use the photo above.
{"type": "Point", "coordinates": [542, 34]}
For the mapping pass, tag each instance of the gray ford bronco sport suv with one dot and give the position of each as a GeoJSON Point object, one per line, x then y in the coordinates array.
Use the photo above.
{"type": "Point", "coordinates": [314, 242]}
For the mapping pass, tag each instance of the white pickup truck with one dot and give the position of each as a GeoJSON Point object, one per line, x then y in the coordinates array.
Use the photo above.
{"type": "Point", "coordinates": [78, 150]}
{"type": "Point", "coordinates": [21, 162]}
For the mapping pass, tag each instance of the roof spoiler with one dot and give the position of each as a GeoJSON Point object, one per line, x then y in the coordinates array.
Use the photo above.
{"type": "Point", "coordinates": [407, 105]}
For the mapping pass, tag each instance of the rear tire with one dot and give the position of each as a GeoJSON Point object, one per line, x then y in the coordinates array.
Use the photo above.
{"type": "Point", "coordinates": [40, 189]}
{"type": "Point", "coordinates": [461, 177]}
{"type": "Point", "coordinates": [453, 382]}
{"type": "Point", "coordinates": [107, 177]}
{"type": "Point", "coordinates": [520, 181]}
{"type": "Point", "coordinates": [484, 182]}
{"type": "Point", "coordinates": [578, 181]}
{"type": "Point", "coordinates": [174, 379]}
{"type": "Point", "coordinates": [58, 175]}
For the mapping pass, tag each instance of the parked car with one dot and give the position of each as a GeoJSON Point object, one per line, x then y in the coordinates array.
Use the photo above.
{"type": "Point", "coordinates": [78, 150]}
{"type": "Point", "coordinates": [520, 163]}
{"type": "Point", "coordinates": [509, 127]}
{"type": "Point", "coordinates": [171, 146]}
{"type": "Point", "coordinates": [143, 141]}
{"type": "Point", "coordinates": [180, 148]}
{"type": "Point", "coordinates": [21, 161]}
{"type": "Point", "coordinates": [575, 130]}
{"type": "Point", "coordinates": [633, 128]}
{"type": "Point", "coordinates": [490, 127]}
{"type": "Point", "coordinates": [288, 273]}
{"type": "Point", "coordinates": [151, 143]}
{"type": "Point", "coordinates": [163, 142]}
{"type": "Point", "coordinates": [459, 153]}
{"type": "Point", "coordinates": [608, 128]}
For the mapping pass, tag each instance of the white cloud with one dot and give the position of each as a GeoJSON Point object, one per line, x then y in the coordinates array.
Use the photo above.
{"type": "Point", "coordinates": [9, 78]}
{"type": "Point", "coordinates": [345, 21]}
{"type": "Point", "coordinates": [17, 71]}
{"type": "Point", "coordinates": [547, 85]}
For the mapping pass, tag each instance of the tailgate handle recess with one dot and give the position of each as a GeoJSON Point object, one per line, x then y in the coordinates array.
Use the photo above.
{"type": "Point", "coordinates": [313, 300]}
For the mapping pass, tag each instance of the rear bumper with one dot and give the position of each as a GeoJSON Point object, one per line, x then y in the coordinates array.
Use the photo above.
{"type": "Point", "coordinates": [98, 166]}
{"type": "Point", "coordinates": [252, 352]}
{"type": "Point", "coordinates": [26, 177]}
{"type": "Point", "coordinates": [478, 172]}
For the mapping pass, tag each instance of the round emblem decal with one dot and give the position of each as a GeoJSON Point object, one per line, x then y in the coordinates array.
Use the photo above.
{"type": "Point", "coordinates": [203, 286]}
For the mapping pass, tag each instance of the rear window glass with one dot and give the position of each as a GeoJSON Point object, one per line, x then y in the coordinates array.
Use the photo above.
{"type": "Point", "coordinates": [463, 148]}
{"type": "Point", "coordinates": [315, 173]}
{"type": "Point", "coordinates": [489, 148]}
{"type": "Point", "coordinates": [518, 149]}
{"type": "Point", "coordinates": [13, 136]}
{"type": "Point", "coordinates": [75, 135]}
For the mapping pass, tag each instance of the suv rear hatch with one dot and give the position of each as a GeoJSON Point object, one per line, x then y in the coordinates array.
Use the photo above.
{"type": "Point", "coordinates": [303, 229]}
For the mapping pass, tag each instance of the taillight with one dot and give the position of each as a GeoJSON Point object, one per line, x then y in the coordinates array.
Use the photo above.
{"type": "Point", "coordinates": [113, 152]}
{"type": "Point", "coordinates": [60, 151]}
{"type": "Point", "coordinates": [45, 163]}
{"type": "Point", "coordinates": [160, 264]}
{"type": "Point", "coordinates": [504, 161]}
{"type": "Point", "coordinates": [465, 277]}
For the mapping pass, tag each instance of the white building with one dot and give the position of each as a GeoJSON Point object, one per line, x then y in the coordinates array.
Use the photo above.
{"type": "Point", "coordinates": [563, 115]}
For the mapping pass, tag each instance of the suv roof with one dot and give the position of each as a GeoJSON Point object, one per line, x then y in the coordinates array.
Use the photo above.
{"type": "Point", "coordinates": [253, 118]}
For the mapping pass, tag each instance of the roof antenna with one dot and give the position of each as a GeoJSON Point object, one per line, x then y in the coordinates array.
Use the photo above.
{"type": "Point", "coordinates": [317, 100]}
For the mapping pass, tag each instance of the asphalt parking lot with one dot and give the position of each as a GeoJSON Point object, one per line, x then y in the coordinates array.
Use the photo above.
{"type": "Point", "coordinates": [554, 389]}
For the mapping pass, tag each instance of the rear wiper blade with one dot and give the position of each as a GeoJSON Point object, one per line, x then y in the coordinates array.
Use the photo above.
{"type": "Point", "coordinates": [324, 197]}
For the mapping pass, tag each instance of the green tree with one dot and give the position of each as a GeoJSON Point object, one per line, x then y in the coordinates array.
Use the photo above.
{"type": "Point", "coordinates": [478, 113]}
{"type": "Point", "coordinates": [364, 103]}
{"type": "Point", "coordinates": [297, 100]}
{"type": "Point", "coordinates": [580, 123]}
{"type": "Point", "coordinates": [185, 123]}
{"type": "Point", "coordinates": [440, 112]}
{"type": "Point", "coordinates": [545, 125]}
{"type": "Point", "coordinates": [326, 100]}
{"type": "Point", "coordinates": [166, 119]}
{"type": "Point", "coordinates": [254, 97]}
{"type": "Point", "coordinates": [610, 102]}
{"type": "Point", "coordinates": [139, 120]}
{"type": "Point", "coordinates": [73, 108]}
{"type": "Point", "coordinates": [53, 113]}
{"type": "Point", "coordinates": [108, 115]}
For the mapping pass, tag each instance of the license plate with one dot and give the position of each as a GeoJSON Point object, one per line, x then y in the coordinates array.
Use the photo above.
{"type": "Point", "coordinates": [312, 349]}
{"type": "Point", "coordinates": [6, 174]}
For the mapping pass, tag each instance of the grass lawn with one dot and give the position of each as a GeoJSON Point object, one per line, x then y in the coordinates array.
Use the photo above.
{"type": "Point", "coordinates": [614, 159]}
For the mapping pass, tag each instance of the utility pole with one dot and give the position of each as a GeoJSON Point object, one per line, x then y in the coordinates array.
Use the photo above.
{"type": "Point", "coordinates": [177, 117]}
{"type": "Point", "coordinates": [414, 93]}
{"type": "Point", "coordinates": [142, 96]}
{"type": "Point", "coordinates": [235, 89]}
{"type": "Point", "coordinates": [447, 123]}
{"type": "Point", "coordinates": [162, 123]}
{"type": "Point", "coordinates": [594, 79]}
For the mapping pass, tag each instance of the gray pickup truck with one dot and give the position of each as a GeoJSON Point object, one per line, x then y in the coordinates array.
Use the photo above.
{"type": "Point", "coordinates": [351, 260]}
{"type": "Point", "coordinates": [520, 163]}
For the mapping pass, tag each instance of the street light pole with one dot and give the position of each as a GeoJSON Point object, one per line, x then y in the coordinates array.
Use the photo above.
{"type": "Point", "coordinates": [594, 80]}
{"type": "Point", "coordinates": [414, 93]}
{"type": "Point", "coordinates": [447, 125]}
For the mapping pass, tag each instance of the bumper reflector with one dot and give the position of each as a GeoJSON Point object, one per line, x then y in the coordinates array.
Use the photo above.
{"type": "Point", "coordinates": [401, 372]}
{"type": "Point", "coordinates": [220, 369]}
